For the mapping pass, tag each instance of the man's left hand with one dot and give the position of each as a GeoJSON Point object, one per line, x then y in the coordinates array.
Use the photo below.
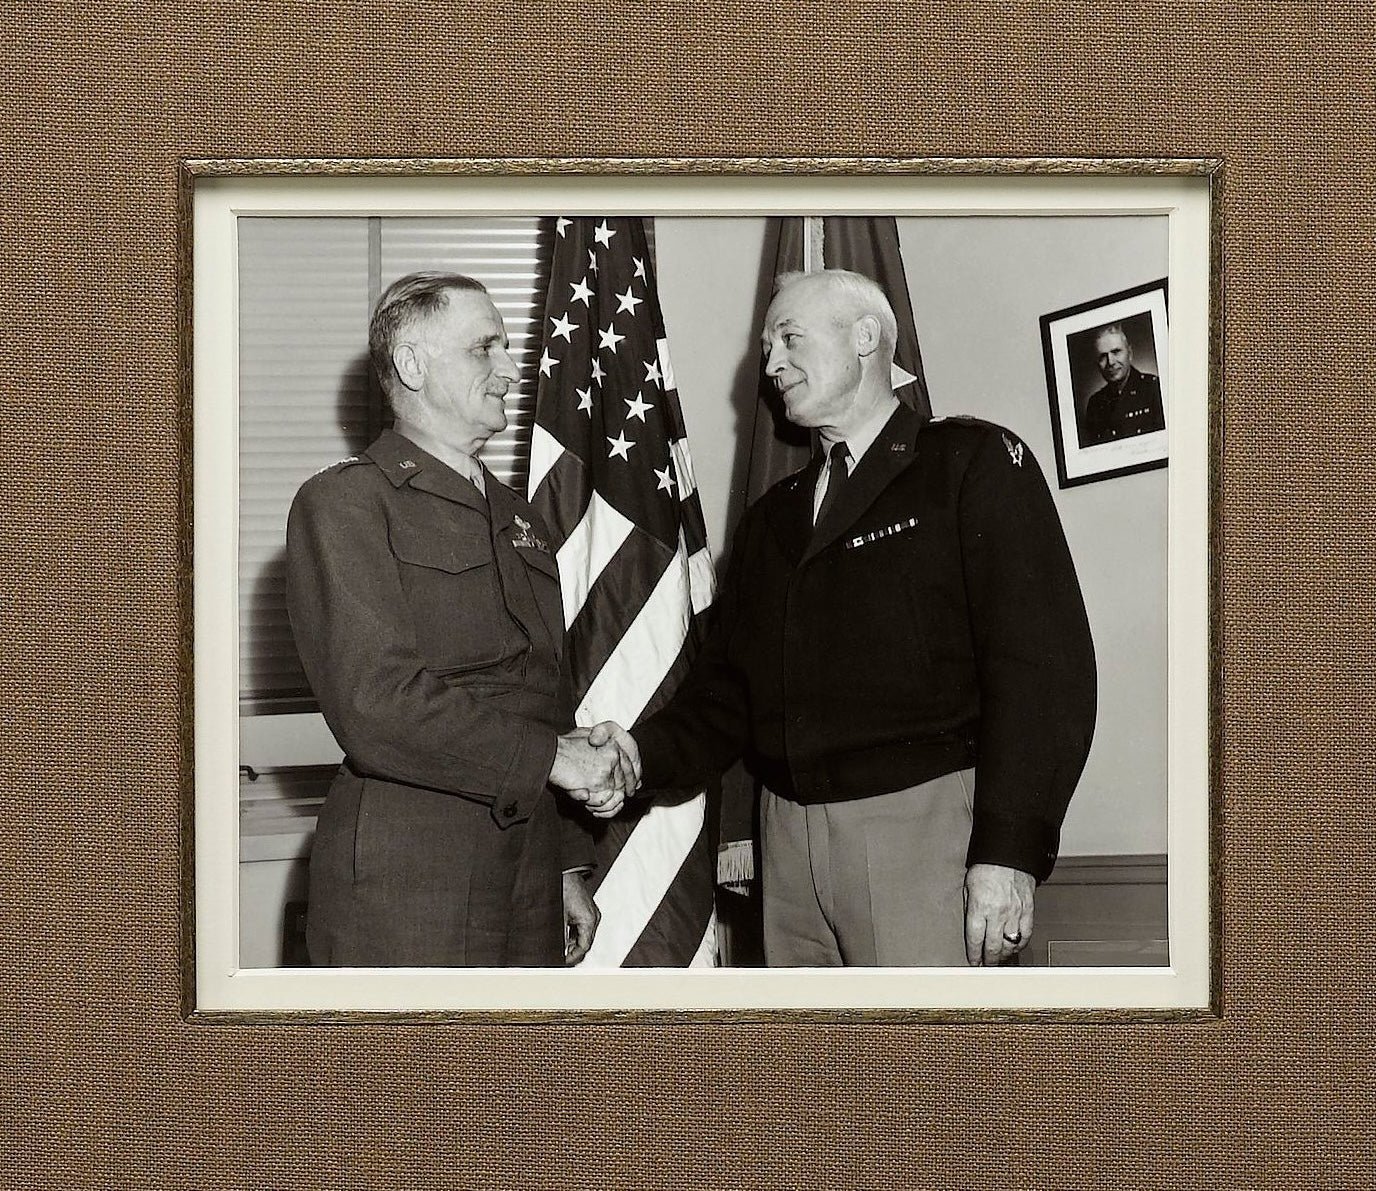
{"type": "Point", "coordinates": [581, 917]}
{"type": "Point", "coordinates": [998, 913]}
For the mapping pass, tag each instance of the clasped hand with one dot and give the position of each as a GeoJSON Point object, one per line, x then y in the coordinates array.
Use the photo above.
{"type": "Point", "coordinates": [598, 766]}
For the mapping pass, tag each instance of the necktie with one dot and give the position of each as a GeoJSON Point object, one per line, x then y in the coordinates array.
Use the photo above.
{"type": "Point", "coordinates": [837, 476]}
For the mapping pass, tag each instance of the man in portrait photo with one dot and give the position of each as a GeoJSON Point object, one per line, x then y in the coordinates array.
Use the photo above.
{"type": "Point", "coordinates": [1128, 403]}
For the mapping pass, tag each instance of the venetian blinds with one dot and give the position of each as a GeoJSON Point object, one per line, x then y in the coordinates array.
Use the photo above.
{"type": "Point", "coordinates": [307, 397]}
{"type": "Point", "coordinates": [506, 255]}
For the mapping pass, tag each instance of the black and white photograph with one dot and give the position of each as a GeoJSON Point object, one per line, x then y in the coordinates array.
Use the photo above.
{"type": "Point", "coordinates": [1105, 369]}
{"type": "Point", "coordinates": [605, 604]}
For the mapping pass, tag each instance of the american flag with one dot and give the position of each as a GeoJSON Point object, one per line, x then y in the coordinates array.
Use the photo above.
{"type": "Point", "coordinates": [610, 471]}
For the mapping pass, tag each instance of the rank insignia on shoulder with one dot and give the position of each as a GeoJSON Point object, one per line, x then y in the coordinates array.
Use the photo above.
{"type": "Point", "coordinates": [1015, 450]}
{"type": "Point", "coordinates": [527, 538]}
{"type": "Point", "coordinates": [337, 463]}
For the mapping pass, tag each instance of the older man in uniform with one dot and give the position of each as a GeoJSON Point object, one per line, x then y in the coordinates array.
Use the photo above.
{"type": "Point", "coordinates": [903, 654]}
{"type": "Point", "coordinates": [425, 604]}
{"type": "Point", "coordinates": [1129, 402]}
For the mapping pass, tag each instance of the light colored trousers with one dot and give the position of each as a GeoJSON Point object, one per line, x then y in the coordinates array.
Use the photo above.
{"type": "Point", "coordinates": [873, 881]}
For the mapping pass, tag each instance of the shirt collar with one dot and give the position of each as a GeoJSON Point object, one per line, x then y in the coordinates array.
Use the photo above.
{"type": "Point", "coordinates": [466, 465]}
{"type": "Point", "coordinates": [862, 437]}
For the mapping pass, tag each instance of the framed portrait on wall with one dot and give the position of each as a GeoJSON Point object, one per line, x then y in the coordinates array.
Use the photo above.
{"type": "Point", "coordinates": [1106, 380]}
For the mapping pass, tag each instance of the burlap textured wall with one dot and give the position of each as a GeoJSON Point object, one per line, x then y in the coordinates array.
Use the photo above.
{"type": "Point", "coordinates": [103, 1085]}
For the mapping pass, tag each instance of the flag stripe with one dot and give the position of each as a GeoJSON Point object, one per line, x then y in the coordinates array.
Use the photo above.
{"type": "Point", "coordinates": [633, 673]}
{"type": "Point", "coordinates": [666, 366]}
{"type": "Point", "coordinates": [706, 954]}
{"type": "Point", "coordinates": [685, 915]}
{"type": "Point", "coordinates": [679, 670]}
{"type": "Point", "coordinates": [545, 452]}
{"type": "Point", "coordinates": [616, 599]}
{"type": "Point", "coordinates": [593, 543]}
{"type": "Point", "coordinates": [683, 468]}
{"type": "Point", "coordinates": [563, 496]}
{"type": "Point", "coordinates": [702, 581]}
{"type": "Point", "coordinates": [645, 869]}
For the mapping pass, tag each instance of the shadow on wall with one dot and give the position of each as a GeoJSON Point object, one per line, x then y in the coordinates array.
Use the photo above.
{"type": "Point", "coordinates": [273, 670]}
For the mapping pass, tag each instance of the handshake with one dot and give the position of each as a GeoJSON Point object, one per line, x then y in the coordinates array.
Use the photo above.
{"type": "Point", "coordinates": [598, 766]}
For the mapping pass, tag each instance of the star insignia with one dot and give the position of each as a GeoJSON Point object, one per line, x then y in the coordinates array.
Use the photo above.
{"type": "Point", "coordinates": [564, 328]}
{"type": "Point", "coordinates": [585, 400]}
{"type": "Point", "coordinates": [597, 371]}
{"type": "Point", "coordinates": [619, 445]}
{"type": "Point", "coordinates": [603, 234]}
{"type": "Point", "coordinates": [592, 260]}
{"type": "Point", "coordinates": [609, 339]}
{"type": "Point", "coordinates": [560, 224]}
{"type": "Point", "coordinates": [637, 408]}
{"type": "Point", "coordinates": [627, 302]}
{"type": "Point", "coordinates": [652, 372]}
{"type": "Point", "coordinates": [639, 267]}
{"type": "Point", "coordinates": [666, 478]}
{"type": "Point", "coordinates": [582, 291]}
{"type": "Point", "coordinates": [547, 363]}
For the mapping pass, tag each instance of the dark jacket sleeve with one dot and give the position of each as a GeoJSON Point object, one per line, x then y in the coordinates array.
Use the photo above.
{"type": "Point", "coordinates": [702, 731]}
{"type": "Point", "coordinates": [390, 714]}
{"type": "Point", "coordinates": [1033, 653]}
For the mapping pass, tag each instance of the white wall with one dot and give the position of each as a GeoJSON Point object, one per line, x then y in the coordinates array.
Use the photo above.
{"type": "Point", "coordinates": [713, 299]}
{"type": "Point", "coordinates": [978, 289]}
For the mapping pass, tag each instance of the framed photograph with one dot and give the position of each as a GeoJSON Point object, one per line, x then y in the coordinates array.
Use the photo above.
{"type": "Point", "coordinates": [286, 264]}
{"type": "Point", "coordinates": [1107, 378]}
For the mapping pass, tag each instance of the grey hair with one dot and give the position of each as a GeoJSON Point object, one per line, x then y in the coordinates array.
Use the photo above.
{"type": "Point", "coordinates": [405, 302]}
{"type": "Point", "coordinates": [1111, 329]}
{"type": "Point", "coordinates": [863, 295]}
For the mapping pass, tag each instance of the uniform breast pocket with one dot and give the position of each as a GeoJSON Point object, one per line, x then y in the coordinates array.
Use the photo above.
{"type": "Point", "coordinates": [455, 599]}
{"type": "Point", "coordinates": [541, 562]}
{"type": "Point", "coordinates": [886, 576]}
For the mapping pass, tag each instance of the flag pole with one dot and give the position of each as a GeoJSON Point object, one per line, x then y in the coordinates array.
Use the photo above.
{"type": "Point", "coordinates": [813, 231]}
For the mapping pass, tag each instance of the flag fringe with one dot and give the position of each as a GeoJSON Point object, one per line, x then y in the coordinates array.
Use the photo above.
{"type": "Point", "coordinates": [736, 865]}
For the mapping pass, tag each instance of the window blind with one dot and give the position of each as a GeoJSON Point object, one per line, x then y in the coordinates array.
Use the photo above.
{"type": "Point", "coordinates": [307, 398]}
{"type": "Point", "coordinates": [303, 404]}
{"type": "Point", "coordinates": [510, 255]}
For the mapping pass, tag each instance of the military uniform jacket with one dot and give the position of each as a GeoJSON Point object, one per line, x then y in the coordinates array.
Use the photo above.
{"type": "Point", "coordinates": [430, 625]}
{"type": "Point", "coordinates": [1134, 409]}
{"type": "Point", "coordinates": [932, 621]}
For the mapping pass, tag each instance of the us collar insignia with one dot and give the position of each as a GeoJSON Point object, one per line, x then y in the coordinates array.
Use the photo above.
{"type": "Point", "coordinates": [1014, 450]}
{"type": "Point", "coordinates": [528, 539]}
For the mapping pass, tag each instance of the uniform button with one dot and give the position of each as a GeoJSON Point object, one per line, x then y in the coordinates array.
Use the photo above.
{"type": "Point", "coordinates": [509, 811]}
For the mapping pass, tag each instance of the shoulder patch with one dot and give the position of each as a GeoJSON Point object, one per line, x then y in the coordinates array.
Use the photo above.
{"type": "Point", "coordinates": [1014, 447]}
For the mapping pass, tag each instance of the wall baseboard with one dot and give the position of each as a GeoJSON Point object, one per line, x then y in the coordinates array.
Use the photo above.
{"type": "Point", "coordinates": [1101, 911]}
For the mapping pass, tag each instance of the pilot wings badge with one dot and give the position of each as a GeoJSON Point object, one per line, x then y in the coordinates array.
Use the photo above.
{"type": "Point", "coordinates": [525, 537]}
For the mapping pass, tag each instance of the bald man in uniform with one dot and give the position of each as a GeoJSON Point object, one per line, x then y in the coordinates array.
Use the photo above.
{"type": "Point", "coordinates": [902, 654]}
